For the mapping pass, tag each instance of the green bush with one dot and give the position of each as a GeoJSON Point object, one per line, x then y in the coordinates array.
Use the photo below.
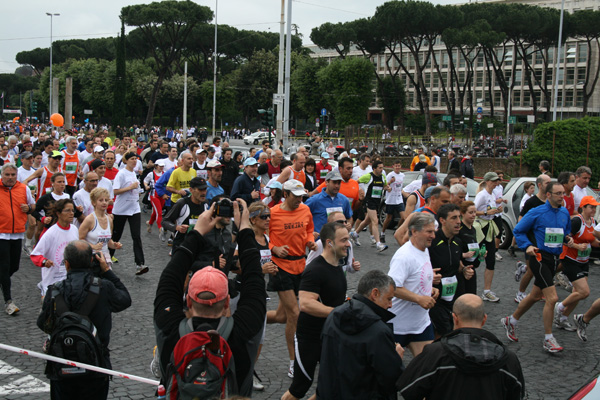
{"type": "Point", "coordinates": [570, 145]}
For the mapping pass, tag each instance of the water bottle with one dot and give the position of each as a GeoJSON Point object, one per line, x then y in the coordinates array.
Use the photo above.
{"type": "Point", "coordinates": [162, 393]}
{"type": "Point", "coordinates": [482, 251]}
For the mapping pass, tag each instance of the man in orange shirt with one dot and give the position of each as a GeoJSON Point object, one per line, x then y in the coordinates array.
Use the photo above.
{"type": "Point", "coordinates": [70, 164]}
{"type": "Point", "coordinates": [349, 187]}
{"type": "Point", "coordinates": [291, 231]}
{"type": "Point", "coordinates": [415, 159]}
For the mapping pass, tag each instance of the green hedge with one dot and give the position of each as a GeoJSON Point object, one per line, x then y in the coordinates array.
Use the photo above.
{"type": "Point", "coordinates": [570, 146]}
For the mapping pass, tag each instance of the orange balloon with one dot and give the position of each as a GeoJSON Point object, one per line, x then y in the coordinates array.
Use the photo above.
{"type": "Point", "coordinates": [15, 119]}
{"type": "Point", "coordinates": [57, 119]}
{"type": "Point", "coordinates": [73, 117]}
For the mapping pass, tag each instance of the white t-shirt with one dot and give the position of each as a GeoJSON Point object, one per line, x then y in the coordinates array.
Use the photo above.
{"type": "Point", "coordinates": [435, 161]}
{"type": "Point", "coordinates": [169, 164]}
{"type": "Point", "coordinates": [523, 200]}
{"type": "Point", "coordinates": [82, 198]}
{"type": "Point", "coordinates": [23, 174]}
{"type": "Point", "coordinates": [357, 172]}
{"type": "Point", "coordinates": [52, 246]}
{"type": "Point", "coordinates": [107, 184]}
{"type": "Point", "coordinates": [485, 201]}
{"type": "Point", "coordinates": [127, 203]}
{"type": "Point", "coordinates": [394, 196]}
{"type": "Point", "coordinates": [84, 154]}
{"type": "Point", "coordinates": [411, 269]}
{"type": "Point", "coordinates": [578, 194]}
{"type": "Point", "coordinates": [498, 191]}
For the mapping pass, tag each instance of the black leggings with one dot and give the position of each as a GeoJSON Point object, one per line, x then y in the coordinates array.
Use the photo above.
{"type": "Point", "coordinates": [308, 354]}
{"type": "Point", "coordinates": [9, 264]}
{"type": "Point", "coordinates": [134, 227]}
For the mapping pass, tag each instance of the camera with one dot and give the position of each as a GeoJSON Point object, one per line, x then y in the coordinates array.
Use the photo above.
{"type": "Point", "coordinates": [224, 208]}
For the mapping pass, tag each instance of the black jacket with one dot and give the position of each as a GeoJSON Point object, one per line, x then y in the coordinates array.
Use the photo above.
{"type": "Point", "coordinates": [231, 170]}
{"type": "Point", "coordinates": [356, 336]}
{"type": "Point", "coordinates": [243, 187]}
{"type": "Point", "coordinates": [453, 164]}
{"type": "Point", "coordinates": [466, 167]}
{"type": "Point", "coordinates": [465, 364]}
{"type": "Point", "coordinates": [248, 319]}
{"type": "Point", "coordinates": [114, 297]}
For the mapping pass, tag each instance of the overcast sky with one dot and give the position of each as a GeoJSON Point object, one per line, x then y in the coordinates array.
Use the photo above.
{"type": "Point", "coordinates": [24, 28]}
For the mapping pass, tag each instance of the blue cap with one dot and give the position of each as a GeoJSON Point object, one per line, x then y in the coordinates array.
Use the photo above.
{"type": "Point", "coordinates": [325, 155]}
{"type": "Point", "coordinates": [353, 151]}
{"type": "Point", "coordinates": [250, 161]}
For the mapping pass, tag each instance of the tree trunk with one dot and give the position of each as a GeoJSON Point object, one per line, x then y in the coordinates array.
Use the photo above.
{"type": "Point", "coordinates": [153, 99]}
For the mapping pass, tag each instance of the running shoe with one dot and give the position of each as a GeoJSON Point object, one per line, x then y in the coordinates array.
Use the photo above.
{"type": "Point", "coordinates": [557, 314]}
{"type": "Point", "coordinates": [519, 297]}
{"type": "Point", "coordinates": [597, 262]}
{"type": "Point", "coordinates": [149, 229]}
{"type": "Point", "coordinates": [373, 241]}
{"type": "Point", "coordinates": [170, 242]}
{"type": "Point", "coordinates": [490, 296]}
{"type": "Point", "coordinates": [562, 280]}
{"type": "Point", "coordinates": [354, 237]}
{"type": "Point", "coordinates": [552, 346]}
{"type": "Point", "coordinates": [256, 385]}
{"type": "Point", "coordinates": [520, 271]}
{"type": "Point", "coordinates": [511, 330]}
{"type": "Point", "coordinates": [498, 257]}
{"type": "Point", "coordinates": [511, 251]}
{"type": "Point", "coordinates": [291, 371]}
{"type": "Point", "coordinates": [382, 247]}
{"type": "Point", "coordinates": [565, 325]}
{"type": "Point", "coordinates": [581, 326]}
{"type": "Point", "coordinates": [141, 269]}
{"type": "Point", "coordinates": [26, 250]}
{"type": "Point", "coordinates": [382, 238]}
{"type": "Point", "coordinates": [161, 235]}
{"type": "Point", "coordinates": [11, 308]}
{"type": "Point", "coordinates": [114, 259]}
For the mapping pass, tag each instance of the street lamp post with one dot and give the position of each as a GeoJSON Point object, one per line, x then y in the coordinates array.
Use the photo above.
{"type": "Point", "coordinates": [214, 116]}
{"type": "Point", "coordinates": [51, 15]}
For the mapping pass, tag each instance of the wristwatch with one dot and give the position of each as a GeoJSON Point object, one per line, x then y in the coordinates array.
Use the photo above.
{"type": "Point", "coordinates": [485, 213]}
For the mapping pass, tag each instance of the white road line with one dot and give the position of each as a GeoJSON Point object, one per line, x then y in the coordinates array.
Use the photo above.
{"type": "Point", "coordinates": [24, 385]}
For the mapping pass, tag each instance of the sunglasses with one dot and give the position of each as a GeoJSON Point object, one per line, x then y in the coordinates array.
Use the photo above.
{"type": "Point", "coordinates": [341, 221]}
{"type": "Point", "coordinates": [265, 216]}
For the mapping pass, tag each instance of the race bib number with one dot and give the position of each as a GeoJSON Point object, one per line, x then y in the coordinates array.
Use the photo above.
{"type": "Point", "coordinates": [553, 238]}
{"type": "Point", "coordinates": [331, 210]}
{"type": "Point", "coordinates": [192, 223]}
{"type": "Point", "coordinates": [70, 167]}
{"type": "Point", "coordinates": [324, 173]}
{"type": "Point", "coordinates": [449, 285]}
{"type": "Point", "coordinates": [202, 173]}
{"type": "Point", "coordinates": [376, 192]}
{"type": "Point", "coordinates": [584, 255]}
{"type": "Point", "coordinates": [265, 256]}
{"type": "Point", "coordinates": [473, 247]}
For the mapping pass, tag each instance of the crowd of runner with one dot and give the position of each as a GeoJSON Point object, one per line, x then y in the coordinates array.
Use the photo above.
{"type": "Point", "coordinates": [306, 217]}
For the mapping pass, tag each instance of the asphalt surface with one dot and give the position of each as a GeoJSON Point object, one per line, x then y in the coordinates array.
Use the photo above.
{"type": "Point", "coordinates": [132, 338]}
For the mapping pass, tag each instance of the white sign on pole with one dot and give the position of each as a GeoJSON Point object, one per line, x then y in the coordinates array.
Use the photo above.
{"type": "Point", "coordinates": [10, 111]}
{"type": "Point", "coordinates": [531, 119]}
{"type": "Point", "coordinates": [88, 112]}
{"type": "Point", "coordinates": [490, 125]}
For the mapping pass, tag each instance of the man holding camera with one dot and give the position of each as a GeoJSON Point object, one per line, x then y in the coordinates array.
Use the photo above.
{"type": "Point", "coordinates": [112, 297]}
{"type": "Point", "coordinates": [182, 217]}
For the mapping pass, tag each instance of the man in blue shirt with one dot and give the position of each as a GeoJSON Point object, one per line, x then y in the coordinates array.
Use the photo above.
{"type": "Point", "coordinates": [329, 200]}
{"type": "Point", "coordinates": [215, 173]}
{"type": "Point", "coordinates": [247, 185]}
{"type": "Point", "coordinates": [550, 227]}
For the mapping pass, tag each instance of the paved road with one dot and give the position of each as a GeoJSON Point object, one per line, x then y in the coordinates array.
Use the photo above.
{"type": "Point", "coordinates": [21, 377]}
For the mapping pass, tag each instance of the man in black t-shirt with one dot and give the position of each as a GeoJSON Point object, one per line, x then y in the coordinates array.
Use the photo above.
{"type": "Point", "coordinates": [323, 287]}
{"type": "Point", "coordinates": [533, 202]}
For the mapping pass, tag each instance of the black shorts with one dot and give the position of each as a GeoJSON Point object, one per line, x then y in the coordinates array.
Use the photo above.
{"type": "Point", "coordinates": [543, 272]}
{"type": "Point", "coordinates": [394, 209]}
{"type": "Point", "coordinates": [373, 204]}
{"type": "Point", "coordinates": [575, 270]}
{"type": "Point", "coordinates": [360, 213]}
{"type": "Point", "coordinates": [283, 280]}
{"type": "Point", "coordinates": [426, 335]}
{"type": "Point", "coordinates": [441, 317]}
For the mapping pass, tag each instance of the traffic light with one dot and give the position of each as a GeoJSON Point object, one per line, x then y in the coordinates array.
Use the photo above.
{"type": "Point", "coordinates": [325, 120]}
{"type": "Point", "coordinates": [34, 106]}
{"type": "Point", "coordinates": [266, 117]}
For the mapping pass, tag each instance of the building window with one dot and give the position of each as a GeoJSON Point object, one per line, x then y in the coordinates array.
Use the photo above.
{"type": "Point", "coordinates": [435, 98]}
{"type": "Point", "coordinates": [497, 98]}
{"type": "Point", "coordinates": [581, 74]}
{"type": "Point", "coordinates": [583, 52]}
{"type": "Point", "coordinates": [516, 102]}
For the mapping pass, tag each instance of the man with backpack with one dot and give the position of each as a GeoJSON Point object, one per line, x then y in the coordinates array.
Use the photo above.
{"type": "Point", "coordinates": [179, 331]}
{"type": "Point", "coordinates": [77, 314]}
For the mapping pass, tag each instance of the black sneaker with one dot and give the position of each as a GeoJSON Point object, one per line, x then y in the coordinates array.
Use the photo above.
{"type": "Point", "coordinates": [382, 238]}
{"type": "Point", "coordinates": [511, 251]}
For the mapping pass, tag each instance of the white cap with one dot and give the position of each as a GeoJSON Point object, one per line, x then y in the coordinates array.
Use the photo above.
{"type": "Point", "coordinates": [98, 149]}
{"type": "Point", "coordinates": [162, 162]}
{"type": "Point", "coordinates": [294, 186]}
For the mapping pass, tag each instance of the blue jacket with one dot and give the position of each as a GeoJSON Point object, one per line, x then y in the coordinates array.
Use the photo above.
{"type": "Point", "coordinates": [536, 221]}
{"type": "Point", "coordinates": [161, 185]}
{"type": "Point", "coordinates": [243, 187]}
{"type": "Point", "coordinates": [321, 206]}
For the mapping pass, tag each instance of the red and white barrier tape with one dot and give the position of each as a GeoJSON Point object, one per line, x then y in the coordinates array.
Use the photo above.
{"type": "Point", "coordinates": [78, 364]}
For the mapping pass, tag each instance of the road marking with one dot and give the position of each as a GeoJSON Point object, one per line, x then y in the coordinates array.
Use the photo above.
{"type": "Point", "coordinates": [23, 385]}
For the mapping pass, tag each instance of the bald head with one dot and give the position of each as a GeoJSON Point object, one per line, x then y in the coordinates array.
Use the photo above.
{"type": "Point", "coordinates": [468, 312]}
{"type": "Point", "coordinates": [541, 182]}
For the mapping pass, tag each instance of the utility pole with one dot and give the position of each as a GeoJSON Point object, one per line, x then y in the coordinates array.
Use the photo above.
{"type": "Point", "coordinates": [288, 62]}
{"type": "Point", "coordinates": [280, 76]}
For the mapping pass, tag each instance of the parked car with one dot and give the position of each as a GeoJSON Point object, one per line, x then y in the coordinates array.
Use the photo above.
{"type": "Point", "coordinates": [589, 391]}
{"type": "Point", "coordinates": [257, 137]}
{"type": "Point", "coordinates": [410, 176]}
{"type": "Point", "coordinates": [513, 192]}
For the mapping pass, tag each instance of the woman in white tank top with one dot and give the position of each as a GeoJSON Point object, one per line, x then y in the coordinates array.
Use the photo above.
{"type": "Point", "coordinates": [96, 228]}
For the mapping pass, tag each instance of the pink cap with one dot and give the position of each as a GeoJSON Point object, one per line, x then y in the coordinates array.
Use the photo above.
{"type": "Point", "coordinates": [211, 280]}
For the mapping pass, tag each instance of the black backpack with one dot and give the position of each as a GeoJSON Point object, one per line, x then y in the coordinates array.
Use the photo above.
{"type": "Point", "coordinates": [74, 337]}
